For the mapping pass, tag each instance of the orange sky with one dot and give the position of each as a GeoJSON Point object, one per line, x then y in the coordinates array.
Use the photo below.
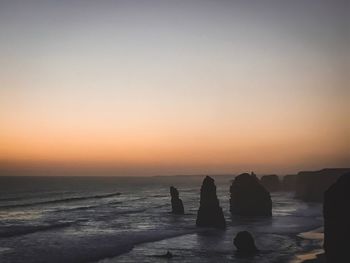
{"type": "Point", "coordinates": [170, 91]}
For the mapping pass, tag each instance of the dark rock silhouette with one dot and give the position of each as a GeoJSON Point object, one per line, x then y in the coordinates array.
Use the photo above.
{"type": "Point", "coordinates": [271, 182]}
{"type": "Point", "coordinates": [253, 175]}
{"type": "Point", "coordinates": [249, 197]}
{"type": "Point", "coordinates": [176, 202]}
{"type": "Point", "coordinates": [289, 182]}
{"type": "Point", "coordinates": [245, 244]}
{"type": "Point", "coordinates": [336, 211]}
{"type": "Point", "coordinates": [310, 186]}
{"type": "Point", "coordinates": [210, 213]}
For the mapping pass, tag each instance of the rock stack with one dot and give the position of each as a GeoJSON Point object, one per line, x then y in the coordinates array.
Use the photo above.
{"type": "Point", "coordinates": [249, 197]}
{"type": "Point", "coordinates": [176, 202]}
{"type": "Point", "coordinates": [336, 211]}
{"type": "Point", "coordinates": [271, 182]}
{"type": "Point", "coordinates": [210, 213]}
{"type": "Point", "coordinates": [289, 182]}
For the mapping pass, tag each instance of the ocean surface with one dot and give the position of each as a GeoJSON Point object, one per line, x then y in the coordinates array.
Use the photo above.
{"type": "Point", "coordinates": [116, 219]}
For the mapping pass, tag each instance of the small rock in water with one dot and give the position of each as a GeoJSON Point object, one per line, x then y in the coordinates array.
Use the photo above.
{"type": "Point", "coordinates": [245, 244]}
{"type": "Point", "coordinates": [168, 254]}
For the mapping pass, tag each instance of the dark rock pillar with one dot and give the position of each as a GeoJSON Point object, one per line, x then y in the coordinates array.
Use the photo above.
{"type": "Point", "coordinates": [176, 202]}
{"type": "Point", "coordinates": [210, 213]}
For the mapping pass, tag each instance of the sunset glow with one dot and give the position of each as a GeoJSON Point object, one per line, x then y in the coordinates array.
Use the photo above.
{"type": "Point", "coordinates": [169, 89]}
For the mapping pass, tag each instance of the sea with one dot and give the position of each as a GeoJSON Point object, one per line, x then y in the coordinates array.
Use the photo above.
{"type": "Point", "coordinates": [128, 219]}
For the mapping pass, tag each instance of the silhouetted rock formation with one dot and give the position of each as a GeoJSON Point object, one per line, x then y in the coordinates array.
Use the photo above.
{"type": "Point", "coordinates": [253, 174]}
{"type": "Point", "coordinates": [336, 211]}
{"type": "Point", "coordinates": [289, 182]}
{"type": "Point", "coordinates": [210, 213]}
{"type": "Point", "coordinates": [310, 186]}
{"type": "Point", "coordinates": [245, 244]}
{"type": "Point", "coordinates": [271, 182]}
{"type": "Point", "coordinates": [249, 197]}
{"type": "Point", "coordinates": [176, 202]}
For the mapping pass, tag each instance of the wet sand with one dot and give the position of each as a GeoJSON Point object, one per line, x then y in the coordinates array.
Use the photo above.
{"type": "Point", "coordinates": [320, 258]}
{"type": "Point", "coordinates": [315, 255]}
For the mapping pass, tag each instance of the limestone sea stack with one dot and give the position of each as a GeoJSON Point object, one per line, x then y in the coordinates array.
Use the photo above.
{"type": "Point", "coordinates": [245, 244]}
{"type": "Point", "coordinates": [210, 213]}
{"type": "Point", "coordinates": [336, 211]}
{"type": "Point", "coordinates": [271, 182]}
{"type": "Point", "coordinates": [176, 202]}
{"type": "Point", "coordinates": [249, 197]}
{"type": "Point", "coordinates": [289, 182]}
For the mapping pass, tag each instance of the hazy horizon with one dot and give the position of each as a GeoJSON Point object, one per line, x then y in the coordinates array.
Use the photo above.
{"type": "Point", "coordinates": [180, 87]}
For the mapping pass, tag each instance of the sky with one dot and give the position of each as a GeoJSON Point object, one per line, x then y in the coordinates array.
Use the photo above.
{"type": "Point", "coordinates": [174, 87]}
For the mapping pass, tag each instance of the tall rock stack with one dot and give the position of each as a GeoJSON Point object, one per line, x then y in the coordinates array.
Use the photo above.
{"type": "Point", "coordinates": [210, 213]}
{"type": "Point", "coordinates": [249, 197]}
{"type": "Point", "coordinates": [176, 202]}
{"type": "Point", "coordinates": [336, 211]}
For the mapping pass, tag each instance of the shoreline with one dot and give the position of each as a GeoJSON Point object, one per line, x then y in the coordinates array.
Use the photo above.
{"type": "Point", "coordinates": [320, 258]}
{"type": "Point", "coordinates": [315, 255]}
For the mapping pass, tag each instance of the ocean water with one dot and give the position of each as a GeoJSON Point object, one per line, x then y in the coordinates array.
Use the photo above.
{"type": "Point", "coordinates": [116, 219]}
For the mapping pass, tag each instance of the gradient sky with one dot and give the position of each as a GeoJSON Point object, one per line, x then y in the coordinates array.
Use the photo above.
{"type": "Point", "coordinates": [170, 87]}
